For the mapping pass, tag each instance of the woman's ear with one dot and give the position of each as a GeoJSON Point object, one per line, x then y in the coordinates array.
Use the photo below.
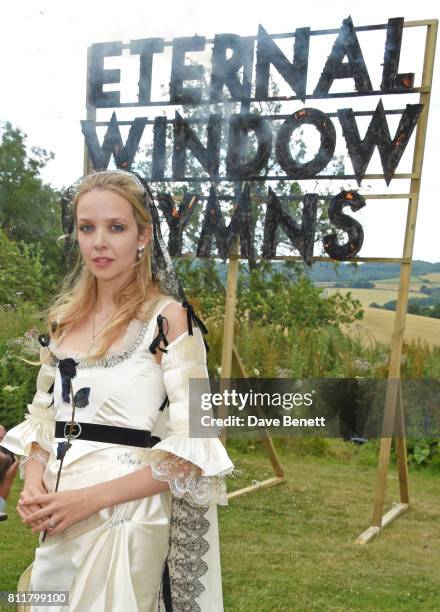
{"type": "Point", "coordinates": [146, 235]}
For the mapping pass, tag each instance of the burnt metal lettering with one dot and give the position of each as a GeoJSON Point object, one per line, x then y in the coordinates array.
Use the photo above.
{"type": "Point", "coordinates": [378, 134]}
{"type": "Point", "coordinates": [113, 145]}
{"type": "Point", "coordinates": [237, 167]}
{"type": "Point", "coordinates": [345, 61]}
{"type": "Point", "coordinates": [294, 73]}
{"type": "Point", "coordinates": [346, 44]}
{"type": "Point", "coordinates": [204, 137]}
{"type": "Point", "coordinates": [391, 79]}
{"type": "Point", "coordinates": [324, 125]}
{"type": "Point", "coordinates": [214, 227]}
{"type": "Point", "coordinates": [159, 148]}
{"type": "Point", "coordinates": [98, 76]}
{"type": "Point", "coordinates": [181, 72]}
{"type": "Point", "coordinates": [353, 228]}
{"type": "Point", "coordinates": [185, 137]}
{"type": "Point", "coordinates": [302, 237]}
{"type": "Point", "coordinates": [225, 70]}
{"type": "Point", "coordinates": [146, 48]}
{"type": "Point", "coordinates": [177, 218]}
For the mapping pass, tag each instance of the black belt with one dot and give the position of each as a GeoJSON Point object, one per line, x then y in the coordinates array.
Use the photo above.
{"type": "Point", "coordinates": [105, 433]}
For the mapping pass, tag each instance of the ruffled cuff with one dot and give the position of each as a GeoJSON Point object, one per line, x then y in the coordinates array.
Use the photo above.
{"type": "Point", "coordinates": [38, 425]}
{"type": "Point", "coordinates": [184, 482]}
{"type": "Point", "coordinates": [176, 459]}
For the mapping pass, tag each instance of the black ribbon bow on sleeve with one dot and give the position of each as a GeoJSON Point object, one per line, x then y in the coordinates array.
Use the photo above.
{"type": "Point", "coordinates": [161, 336]}
{"type": "Point", "coordinates": [191, 318]}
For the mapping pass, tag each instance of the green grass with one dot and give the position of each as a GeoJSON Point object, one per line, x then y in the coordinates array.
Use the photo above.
{"type": "Point", "coordinates": [292, 546]}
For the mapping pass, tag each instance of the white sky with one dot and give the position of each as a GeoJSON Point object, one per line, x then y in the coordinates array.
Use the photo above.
{"type": "Point", "coordinates": [43, 46]}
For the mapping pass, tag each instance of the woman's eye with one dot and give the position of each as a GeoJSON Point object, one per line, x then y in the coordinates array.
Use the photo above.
{"type": "Point", "coordinates": [83, 228]}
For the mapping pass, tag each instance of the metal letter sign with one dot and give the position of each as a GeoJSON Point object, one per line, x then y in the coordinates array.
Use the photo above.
{"type": "Point", "coordinates": [232, 76]}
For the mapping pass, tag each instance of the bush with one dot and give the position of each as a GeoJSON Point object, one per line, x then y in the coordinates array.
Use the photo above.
{"type": "Point", "coordinates": [19, 329]}
{"type": "Point", "coordinates": [23, 275]}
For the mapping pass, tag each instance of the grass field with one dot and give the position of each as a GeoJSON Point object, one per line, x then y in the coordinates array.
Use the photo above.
{"type": "Point", "coordinates": [292, 547]}
{"type": "Point", "coordinates": [386, 289]}
{"type": "Point", "coordinates": [378, 324]}
{"type": "Point", "coordinates": [415, 282]}
{"type": "Point", "coordinates": [368, 296]}
{"type": "Point", "coordinates": [434, 277]}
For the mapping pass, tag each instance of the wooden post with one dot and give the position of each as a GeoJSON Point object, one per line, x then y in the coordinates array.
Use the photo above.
{"type": "Point", "coordinates": [229, 352]}
{"type": "Point", "coordinates": [228, 326]}
{"type": "Point", "coordinates": [393, 399]}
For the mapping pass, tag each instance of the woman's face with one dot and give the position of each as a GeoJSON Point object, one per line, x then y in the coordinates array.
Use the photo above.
{"type": "Point", "coordinates": [107, 233]}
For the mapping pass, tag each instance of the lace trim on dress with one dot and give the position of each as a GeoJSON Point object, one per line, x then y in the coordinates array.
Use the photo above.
{"type": "Point", "coordinates": [188, 526]}
{"type": "Point", "coordinates": [39, 455]}
{"type": "Point", "coordinates": [132, 338]}
{"type": "Point", "coordinates": [184, 482]}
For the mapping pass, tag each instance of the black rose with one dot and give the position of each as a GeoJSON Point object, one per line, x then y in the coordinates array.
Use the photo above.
{"type": "Point", "coordinates": [44, 339]}
{"type": "Point", "coordinates": [67, 369]}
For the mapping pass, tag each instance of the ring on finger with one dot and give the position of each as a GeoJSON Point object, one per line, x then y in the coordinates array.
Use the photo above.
{"type": "Point", "coordinates": [51, 524]}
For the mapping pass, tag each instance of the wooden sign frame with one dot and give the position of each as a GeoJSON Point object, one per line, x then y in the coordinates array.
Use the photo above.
{"type": "Point", "coordinates": [393, 410]}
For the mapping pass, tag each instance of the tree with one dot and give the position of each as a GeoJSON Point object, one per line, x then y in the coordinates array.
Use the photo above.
{"type": "Point", "coordinates": [28, 207]}
{"type": "Point", "coordinates": [24, 277]}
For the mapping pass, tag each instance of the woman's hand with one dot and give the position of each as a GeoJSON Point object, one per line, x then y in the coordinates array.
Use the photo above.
{"type": "Point", "coordinates": [66, 508]}
{"type": "Point", "coordinates": [30, 490]}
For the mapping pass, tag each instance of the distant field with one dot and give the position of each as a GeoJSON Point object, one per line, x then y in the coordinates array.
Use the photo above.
{"type": "Point", "coordinates": [394, 286]}
{"type": "Point", "coordinates": [378, 325]}
{"type": "Point", "coordinates": [434, 277]}
{"type": "Point", "coordinates": [415, 281]}
{"type": "Point", "coordinates": [388, 284]}
{"type": "Point", "coordinates": [367, 296]}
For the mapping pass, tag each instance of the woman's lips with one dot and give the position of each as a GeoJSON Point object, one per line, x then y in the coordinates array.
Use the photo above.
{"type": "Point", "coordinates": [102, 263]}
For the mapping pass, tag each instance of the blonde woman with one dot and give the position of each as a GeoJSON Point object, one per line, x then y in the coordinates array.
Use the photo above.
{"type": "Point", "coordinates": [124, 499]}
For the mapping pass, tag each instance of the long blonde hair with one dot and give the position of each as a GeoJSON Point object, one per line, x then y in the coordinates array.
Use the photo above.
{"type": "Point", "coordinates": [77, 298]}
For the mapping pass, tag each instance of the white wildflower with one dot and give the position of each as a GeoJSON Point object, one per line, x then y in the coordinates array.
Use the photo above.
{"type": "Point", "coordinates": [10, 388]}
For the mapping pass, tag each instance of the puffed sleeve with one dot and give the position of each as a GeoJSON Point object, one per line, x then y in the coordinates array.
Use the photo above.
{"type": "Point", "coordinates": [177, 457]}
{"type": "Point", "coordinates": [38, 425]}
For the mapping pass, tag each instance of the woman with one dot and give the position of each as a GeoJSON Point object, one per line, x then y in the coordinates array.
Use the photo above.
{"type": "Point", "coordinates": [124, 499]}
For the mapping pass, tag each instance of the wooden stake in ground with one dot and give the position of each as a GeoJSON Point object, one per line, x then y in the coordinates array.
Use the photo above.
{"type": "Point", "coordinates": [229, 352]}
{"type": "Point", "coordinates": [393, 412]}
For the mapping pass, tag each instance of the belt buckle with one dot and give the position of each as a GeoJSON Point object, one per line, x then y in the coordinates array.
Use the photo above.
{"type": "Point", "coordinates": [72, 424]}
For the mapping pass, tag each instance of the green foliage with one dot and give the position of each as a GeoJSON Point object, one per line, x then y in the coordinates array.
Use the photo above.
{"type": "Point", "coordinates": [424, 452]}
{"type": "Point", "coordinates": [24, 276]}
{"type": "Point", "coordinates": [285, 298]}
{"type": "Point", "coordinates": [19, 328]}
{"type": "Point", "coordinates": [29, 210]}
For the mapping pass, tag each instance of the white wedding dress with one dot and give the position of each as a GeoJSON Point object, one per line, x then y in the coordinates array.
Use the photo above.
{"type": "Point", "coordinates": [138, 555]}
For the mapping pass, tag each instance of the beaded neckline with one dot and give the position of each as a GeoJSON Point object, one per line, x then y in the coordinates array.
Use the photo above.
{"type": "Point", "coordinates": [109, 360]}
